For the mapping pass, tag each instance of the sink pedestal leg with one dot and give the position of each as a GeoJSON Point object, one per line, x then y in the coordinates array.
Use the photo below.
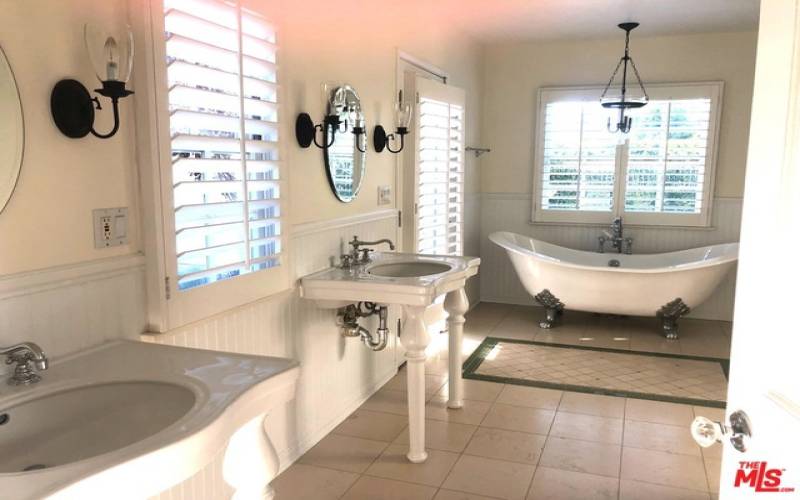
{"type": "Point", "coordinates": [251, 462]}
{"type": "Point", "coordinates": [415, 339]}
{"type": "Point", "coordinates": [456, 304]}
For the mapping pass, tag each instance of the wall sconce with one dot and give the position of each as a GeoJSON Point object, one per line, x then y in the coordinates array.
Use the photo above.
{"type": "Point", "coordinates": [402, 119]}
{"type": "Point", "coordinates": [306, 131]}
{"type": "Point", "coordinates": [359, 131]}
{"type": "Point", "coordinates": [71, 104]}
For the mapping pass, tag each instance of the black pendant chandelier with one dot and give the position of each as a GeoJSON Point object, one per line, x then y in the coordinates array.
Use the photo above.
{"type": "Point", "coordinates": [623, 101]}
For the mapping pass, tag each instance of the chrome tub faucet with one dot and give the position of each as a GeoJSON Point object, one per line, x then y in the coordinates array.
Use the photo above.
{"type": "Point", "coordinates": [618, 242]}
{"type": "Point", "coordinates": [24, 355]}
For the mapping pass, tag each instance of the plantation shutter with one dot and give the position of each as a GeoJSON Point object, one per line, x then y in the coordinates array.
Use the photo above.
{"type": "Point", "coordinates": [440, 168]}
{"type": "Point", "coordinates": [223, 119]}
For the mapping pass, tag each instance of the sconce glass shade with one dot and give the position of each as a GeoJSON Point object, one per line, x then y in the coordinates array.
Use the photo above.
{"type": "Point", "coordinates": [402, 115]}
{"type": "Point", "coordinates": [111, 53]}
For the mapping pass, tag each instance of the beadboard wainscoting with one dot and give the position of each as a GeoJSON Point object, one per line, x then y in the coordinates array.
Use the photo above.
{"type": "Point", "coordinates": [68, 308]}
{"type": "Point", "coordinates": [336, 375]}
{"type": "Point", "coordinates": [511, 212]}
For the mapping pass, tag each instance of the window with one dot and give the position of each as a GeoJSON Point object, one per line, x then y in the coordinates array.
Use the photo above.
{"type": "Point", "coordinates": [659, 173]}
{"type": "Point", "coordinates": [440, 168]}
{"type": "Point", "coordinates": [221, 167]}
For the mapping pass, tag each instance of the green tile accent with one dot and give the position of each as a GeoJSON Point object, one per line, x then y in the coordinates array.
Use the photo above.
{"type": "Point", "coordinates": [475, 359]}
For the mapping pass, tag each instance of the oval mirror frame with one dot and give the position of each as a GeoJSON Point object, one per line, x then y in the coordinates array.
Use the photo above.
{"type": "Point", "coordinates": [12, 132]}
{"type": "Point", "coordinates": [345, 164]}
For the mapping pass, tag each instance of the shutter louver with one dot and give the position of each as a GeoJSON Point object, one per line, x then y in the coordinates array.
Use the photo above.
{"type": "Point", "coordinates": [223, 104]}
{"type": "Point", "coordinates": [440, 204]}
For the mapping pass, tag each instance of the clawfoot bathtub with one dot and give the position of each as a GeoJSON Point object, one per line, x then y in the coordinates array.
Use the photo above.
{"type": "Point", "coordinates": [667, 285]}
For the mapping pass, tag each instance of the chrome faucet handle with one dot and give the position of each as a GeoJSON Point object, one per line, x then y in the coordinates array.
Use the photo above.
{"type": "Point", "coordinates": [23, 372]}
{"type": "Point", "coordinates": [346, 261]}
{"type": "Point", "coordinates": [365, 258]}
{"type": "Point", "coordinates": [601, 240]}
{"type": "Point", "coordinates": [628, 246]}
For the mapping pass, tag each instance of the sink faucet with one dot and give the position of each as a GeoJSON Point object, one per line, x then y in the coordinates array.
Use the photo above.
{"type": "Point", "coordinates": [23, 354]}
{"type": "Point", "coordinates": [363, 258]}
{"type": "Point", "coordinates": [618, 243]}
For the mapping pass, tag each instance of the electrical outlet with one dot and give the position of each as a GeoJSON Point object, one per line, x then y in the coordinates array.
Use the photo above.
{"type": "Point", "coordinates": [110, 227]}
{"type": "Point", "coordinates": [384, 195]}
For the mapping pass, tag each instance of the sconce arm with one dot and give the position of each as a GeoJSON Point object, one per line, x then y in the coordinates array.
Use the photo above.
{"type": "Point", "coordinates": [390, 138]}
{"type": "Point", "coordinates": [115, 106]}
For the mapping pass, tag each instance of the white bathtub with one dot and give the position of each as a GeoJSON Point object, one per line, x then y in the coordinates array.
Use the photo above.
{"type": "Point", "coordinates": [642, 284]}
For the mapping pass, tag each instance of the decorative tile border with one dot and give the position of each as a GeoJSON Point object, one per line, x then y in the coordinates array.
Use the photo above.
{"type": "Point", "coordinates": [475, 360]}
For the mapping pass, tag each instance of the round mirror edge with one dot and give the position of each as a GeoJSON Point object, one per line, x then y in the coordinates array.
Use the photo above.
{"type": "Point", "coordinates": [344, 87]}
{"type": "Point", "coordinates": [7, 192]}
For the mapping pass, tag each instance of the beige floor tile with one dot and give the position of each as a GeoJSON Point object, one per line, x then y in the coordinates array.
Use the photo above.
{"type": "Point", "coordinates": [437, 365]}
{"type": "Point", "coordinates": [655, 342]}
{"type": "Point", "coordinates": [581, 456]}
{"type": "Point", "coordinates": [556, 484]}
{"type": "Point", "coordinates": [518, 418]}
{"type": "Point", "coordinates": [472, 413]}
{"type": "Point", "coordinates": [487, 315]}
{"type": "Point", "coordinates": [506, 445]}
{"type": "Point", "coordinates": [476, 390]}
{"type": "Point", "coordinates": [592, 404]}
{"type": "Point", "coordinates": [658, 412]}
{"type": "Point", "coordinates": [440, 435]}
{"type": "Point", "coordinates": [713, 467]}
{"type": "Point", "coordinates": [433, 382]}
{"type": "Point", "coordinates": [306, 482]}
{"type": "Point", "coordinates": [660, 437]}
{"type": "Point", "coordinates": [668, 469]}
{"type": "Point", "coordinates": [587, 428]}
{"type": "Point", "coordinates": [718, 347]}
{"type": "Point", "coordinates": [484, 476]}
{"type": "Point", "coordinates": [636, 490]}
{"type": "Point", "coordinates": [393, 464]}
{"type": "Point", "coordinates": [714, 451]}
{"type": "Point", "coordinates": [375, 488]}
{"type": "Point", "coordinates": [715, 414]}
{"type": "Point", "coordinates": [459, 495]}
{"type": "Point", "coordinates": [375, 425]}
{"type": "Point", "coordinates": [345, 453]}
{"type": "Point", "coordinates": [533, 397]}
{"type": "Point", "coordinates": [388, 401]}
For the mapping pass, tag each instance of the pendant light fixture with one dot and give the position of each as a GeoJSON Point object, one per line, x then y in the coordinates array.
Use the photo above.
{"type": "Point", "coordinates": [623, 100]}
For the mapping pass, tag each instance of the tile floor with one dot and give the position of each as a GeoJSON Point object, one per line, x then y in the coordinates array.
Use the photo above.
{"type": "Point", "coordinates": [514, 442]}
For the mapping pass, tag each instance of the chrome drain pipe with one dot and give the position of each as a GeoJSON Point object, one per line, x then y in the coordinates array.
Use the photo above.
{"type": "Point", "coordinates": [347, 319]}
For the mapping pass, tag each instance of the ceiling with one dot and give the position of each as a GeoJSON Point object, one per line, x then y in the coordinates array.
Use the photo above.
{"type": "Point", "coordinates": [517, 20]}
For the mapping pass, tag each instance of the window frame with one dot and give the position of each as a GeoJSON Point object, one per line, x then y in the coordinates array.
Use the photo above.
{"type": "Point", "coordinates": [168, 306]}
{"type": "Point", "coordinates": [658, 91]}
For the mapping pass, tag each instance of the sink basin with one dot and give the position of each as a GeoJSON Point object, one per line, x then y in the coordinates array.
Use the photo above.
{"type": "Point", "coordinates": [80, 423]}
{"type": "Point", "coordinates": [409, 269]}
{"type": "Point", "coordinates": [127, 420]}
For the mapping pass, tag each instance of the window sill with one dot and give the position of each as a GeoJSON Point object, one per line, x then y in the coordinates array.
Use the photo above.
{"type": "Point", "coordinates": [634, 226]}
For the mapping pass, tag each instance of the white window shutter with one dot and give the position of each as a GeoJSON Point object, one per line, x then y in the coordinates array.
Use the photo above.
{"type": "Point", "coordinates": [223, 106]}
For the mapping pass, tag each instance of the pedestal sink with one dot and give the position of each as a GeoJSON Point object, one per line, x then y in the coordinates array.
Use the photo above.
{"type": "Point", "coordinates": [127, 420]}
{"type": "Point", "coordinates": [414, 282]}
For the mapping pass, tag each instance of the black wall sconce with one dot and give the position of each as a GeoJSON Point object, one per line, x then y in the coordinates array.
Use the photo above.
{"type": "Point", "coordinates": [402, 119]}
{"type": "Point", "coordinates": [306, 131]}
{"type": "Point", "coordinates": [359, 131]}
{"type": "Point", "coordinates": [71, 104]}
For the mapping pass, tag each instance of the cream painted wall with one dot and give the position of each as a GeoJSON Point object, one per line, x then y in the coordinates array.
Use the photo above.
{"type": "Point", "coordinates": [514, 72]}
{"type": "Point", "coordinates": [48, 219]}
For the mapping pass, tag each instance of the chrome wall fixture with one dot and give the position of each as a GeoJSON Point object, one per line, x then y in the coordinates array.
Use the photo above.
{"type": "Point", "coordinates": [623, 100]}
{"type": "Point", "coordinates": [402, 119]}
{"type": "Point", "coordinates": [71, 105]}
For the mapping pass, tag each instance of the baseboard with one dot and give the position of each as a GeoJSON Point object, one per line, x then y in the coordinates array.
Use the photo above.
{"type": "Point", "coordinates": [291, 455]}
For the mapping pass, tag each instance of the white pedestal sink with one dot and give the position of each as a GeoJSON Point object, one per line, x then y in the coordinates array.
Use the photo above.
{"type": "Point", "coordinates": [130, 419]}
{"type": "Point", "coordinates": [414, 282]}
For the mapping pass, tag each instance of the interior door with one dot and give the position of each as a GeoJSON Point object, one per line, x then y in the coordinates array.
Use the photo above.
{"type": "Point", "coordinates": [765, 373]}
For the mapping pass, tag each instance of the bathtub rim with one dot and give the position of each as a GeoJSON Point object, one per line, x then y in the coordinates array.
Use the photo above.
{"type": "Point", "coordinates": [730, 256]}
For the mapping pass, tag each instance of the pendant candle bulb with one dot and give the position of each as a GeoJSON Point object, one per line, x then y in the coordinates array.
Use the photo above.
{"type": "Point", "coordinates": [623, 101]}
{"type": "Point", "coordinates": [71, 105]}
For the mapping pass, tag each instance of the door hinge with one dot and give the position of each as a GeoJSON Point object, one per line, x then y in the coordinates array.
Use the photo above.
{"type": "Point", "coordinates": [399, 328]}
{"type": "Point", "coordinates": [399, 218]}
{"type": "Point", "coordinates": [415, 209]}
{"type": "Point", "coordinates": [417, 97]}
{"type": "Point", "coordinates": [167, 290]}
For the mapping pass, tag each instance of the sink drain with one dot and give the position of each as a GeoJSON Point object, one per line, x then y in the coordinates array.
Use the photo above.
{"type": "Point", "coordinates": [34, 467]}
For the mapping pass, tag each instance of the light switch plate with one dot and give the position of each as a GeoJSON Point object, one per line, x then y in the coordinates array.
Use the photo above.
{"type": "Point", "coordinates": [110, 227]}
{"type": "Point", "coordinates": [384, 195]}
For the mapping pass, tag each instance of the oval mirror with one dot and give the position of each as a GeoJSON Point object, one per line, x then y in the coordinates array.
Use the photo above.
{"type": "Point", "coordinates": [11, 132]}
{"type": "Point", "coordinates": [346, 159]}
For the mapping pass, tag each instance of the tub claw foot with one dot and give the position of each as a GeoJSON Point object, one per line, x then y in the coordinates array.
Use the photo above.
{"type": "Point", "coordinates": [669, 315]}
{"type": "Point", "coordinates": [554, 308]}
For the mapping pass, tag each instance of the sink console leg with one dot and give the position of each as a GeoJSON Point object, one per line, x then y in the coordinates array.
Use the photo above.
{"type": "Point", "coordinates": [456, 305]}
{"type": "Point", "coordinates": [415, 339]}
{"type": "Point", "coordinates": [250, 462]}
